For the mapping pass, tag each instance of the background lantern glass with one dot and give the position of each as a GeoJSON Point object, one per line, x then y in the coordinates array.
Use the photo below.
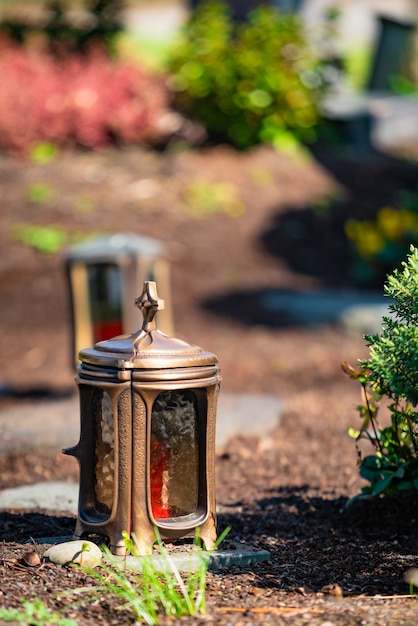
{"type": "Point", "coordinates": [103, 277]}
{"type": "Point", "coordinates": [105, 300]}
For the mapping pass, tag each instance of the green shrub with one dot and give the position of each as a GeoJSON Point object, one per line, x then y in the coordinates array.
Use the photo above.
{"type": "Point", "coordinates": [247, 83]}
{"type": "Point", "coordinates": [390, 376]}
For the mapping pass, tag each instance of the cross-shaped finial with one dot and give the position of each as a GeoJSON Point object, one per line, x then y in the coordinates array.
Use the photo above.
{"type": "Point", "coordinates": [149, 303]}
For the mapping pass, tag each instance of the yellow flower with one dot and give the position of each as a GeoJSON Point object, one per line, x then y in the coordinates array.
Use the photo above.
{"type": "Point", "coordinates": [390, 223]}
{"type": "Point", "coordinates": [366, 238]}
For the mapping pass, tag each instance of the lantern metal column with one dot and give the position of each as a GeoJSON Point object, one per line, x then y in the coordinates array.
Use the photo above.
{"type": "Point", "coordinates": [147, 444]}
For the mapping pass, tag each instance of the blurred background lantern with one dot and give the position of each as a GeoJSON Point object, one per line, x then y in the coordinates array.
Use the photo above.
{"type": "Point", "coordinates": [103, 277]}
{"type": "Point", "coordinates": [147, 444]}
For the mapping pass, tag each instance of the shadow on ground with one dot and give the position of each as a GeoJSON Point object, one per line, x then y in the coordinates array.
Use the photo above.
{"type": "Point", "coordinates": [315, 541]}
{"type": "Point", "coordinates": [280, 308]}
{"type": "Point", "coordinates": [313, 240]}
{"type": "Point", "coordinates": [26, 527]}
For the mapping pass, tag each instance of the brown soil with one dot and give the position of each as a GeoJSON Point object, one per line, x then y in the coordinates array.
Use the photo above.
{"type": "Point", "coordinates": [284, 491]}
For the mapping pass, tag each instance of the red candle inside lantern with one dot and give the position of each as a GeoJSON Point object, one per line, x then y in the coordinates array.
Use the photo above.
{"type": "Point", "coordinates": [159, 468]}
{"type": "Point", "coordinates": [105, 330]}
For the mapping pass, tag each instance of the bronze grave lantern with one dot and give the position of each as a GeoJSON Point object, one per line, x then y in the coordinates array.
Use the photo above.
{"type": "Point", "coordinates": [147, 442]}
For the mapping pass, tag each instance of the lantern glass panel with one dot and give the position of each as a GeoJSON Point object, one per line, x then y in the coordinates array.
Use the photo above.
{"type": "Point", "coordinates": [104, 469]}
{"type": "Point", "coordinates": [105, 294]}
{"type": "Point", "coordinates": [174, 458]}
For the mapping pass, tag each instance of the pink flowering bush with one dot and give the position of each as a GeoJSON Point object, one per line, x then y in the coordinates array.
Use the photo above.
{"type": "Point", "coordinates": [85, 100]}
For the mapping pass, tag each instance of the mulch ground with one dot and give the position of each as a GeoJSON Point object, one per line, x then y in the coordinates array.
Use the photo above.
{"type": "Point", "coordinates": [285, 491]}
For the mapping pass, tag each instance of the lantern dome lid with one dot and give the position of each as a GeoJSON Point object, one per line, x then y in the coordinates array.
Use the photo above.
{"type": "Point", "coordinates": [148, 348]}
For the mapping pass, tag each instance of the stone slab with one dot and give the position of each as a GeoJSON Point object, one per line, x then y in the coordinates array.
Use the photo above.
{"type": "Point", "coordinates": [352, 309]}
{"type": "Point", "coordinates": [54, 496]}
{"type": "Point", "coordinates": [246, 414]}
{"type": "Point", "coordinates": [55, 423]}
{"type": "Point", "coordinates": [45, 424]}
{"type": "Point", "coordinates": [393, 119]}
{"type": "Point", "coordinates": [240, 556]}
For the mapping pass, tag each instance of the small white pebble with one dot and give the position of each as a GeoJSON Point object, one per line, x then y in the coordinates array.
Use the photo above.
{"type": "Point", "coordinates": [84, 553]}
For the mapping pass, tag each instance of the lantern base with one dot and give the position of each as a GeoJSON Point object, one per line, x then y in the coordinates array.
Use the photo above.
{"type": "Point", "coordinates": [142, 544]}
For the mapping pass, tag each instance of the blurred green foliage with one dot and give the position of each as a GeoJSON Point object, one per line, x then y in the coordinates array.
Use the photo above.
{"type": "Point", "coordinates": [247, 83]}
{"type": "Point", "coordinates": [40, 192]}
{"type": "Point", "coordinates": [43, 152]}
{"type": "Point", "coordinates": [203, 198]}
{"type": "Point", "coordinates": [64, 24]}
{"type": "Point", "coordinates": [45, 239]}
{"type": "Point", "coordinates": [357, 64]}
